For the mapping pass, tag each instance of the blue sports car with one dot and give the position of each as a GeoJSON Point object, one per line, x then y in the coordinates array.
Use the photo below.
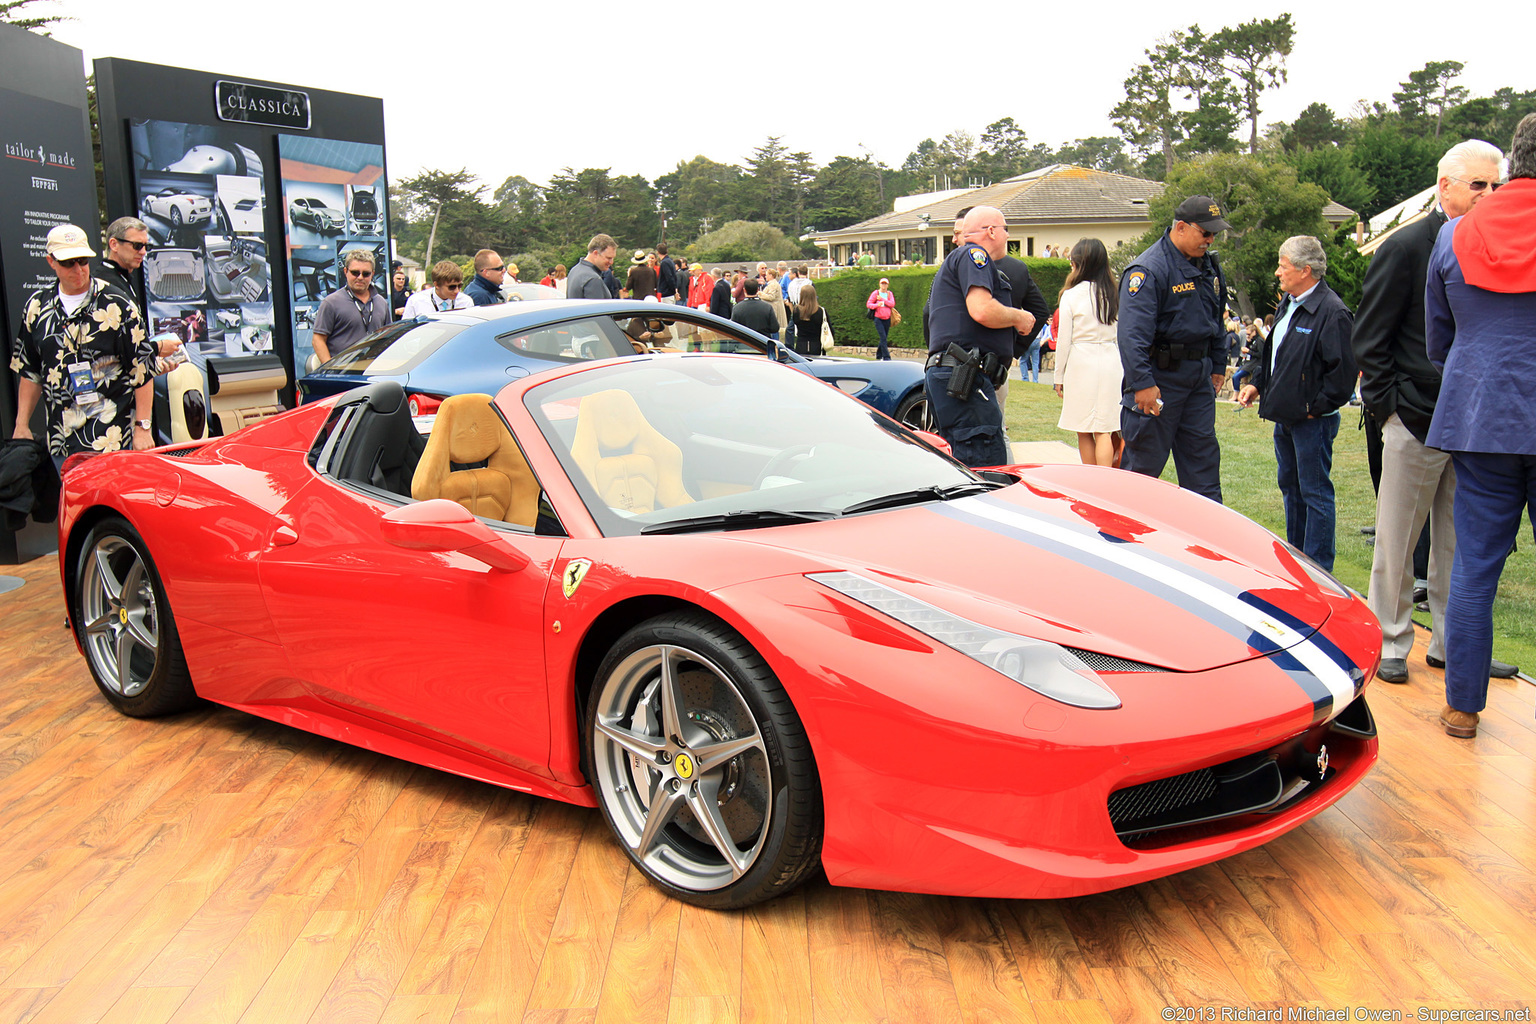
{"type": "Point", "coordinates": [479, 350]}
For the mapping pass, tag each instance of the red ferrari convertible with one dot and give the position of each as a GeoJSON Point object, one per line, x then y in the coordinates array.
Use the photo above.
{"type": "Point", "coordinates": [764, 628]}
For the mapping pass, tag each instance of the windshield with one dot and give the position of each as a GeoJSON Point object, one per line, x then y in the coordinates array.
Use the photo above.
{"type": "Point", "coordinates": [396, 349]}
{"type": "Point", "coordinates": [672, 438]}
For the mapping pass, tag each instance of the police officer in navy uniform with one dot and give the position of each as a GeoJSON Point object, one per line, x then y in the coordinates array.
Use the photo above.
{"type": "Point", "coordinates": [1173, 349]}
{"type": "Point", "coordinates": [971, 328]}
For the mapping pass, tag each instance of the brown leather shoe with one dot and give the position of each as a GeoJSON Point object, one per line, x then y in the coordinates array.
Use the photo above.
{"type": "Point", "coordinates": [1461, 724]}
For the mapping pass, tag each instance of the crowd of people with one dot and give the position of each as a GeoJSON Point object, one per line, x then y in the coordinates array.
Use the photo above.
{"type": "Point", "coordinates": [1438, 350]}
{"type": "Point", "coordinates": [1437, 353]}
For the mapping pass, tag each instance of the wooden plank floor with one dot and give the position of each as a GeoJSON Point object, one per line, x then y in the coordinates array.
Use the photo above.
{"type": "Point", "coordinates": [216, 867]}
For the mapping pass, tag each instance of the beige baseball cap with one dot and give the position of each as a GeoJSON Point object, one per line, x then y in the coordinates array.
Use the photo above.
{"type": "Point", "coordinates": [66, 242]}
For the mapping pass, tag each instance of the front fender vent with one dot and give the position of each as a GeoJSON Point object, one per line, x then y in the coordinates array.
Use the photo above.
{"type": "Point", "coordinates": [1107, 663]}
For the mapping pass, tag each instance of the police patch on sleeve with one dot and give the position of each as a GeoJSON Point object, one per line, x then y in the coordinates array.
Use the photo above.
{"type": "Point", "coordinates": [1135, 281]}
{"type": "Point", "coordinates": [979, 257]}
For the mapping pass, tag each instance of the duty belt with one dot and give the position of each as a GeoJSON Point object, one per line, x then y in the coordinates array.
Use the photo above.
{"type": "Point", "coordinates": [1177, 352]}
{"type": "Point", "coordinates": [943, 358]}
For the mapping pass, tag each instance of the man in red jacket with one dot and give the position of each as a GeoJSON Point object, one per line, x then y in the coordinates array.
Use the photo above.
{"type": "Point", "coordinates": [1480, 332]}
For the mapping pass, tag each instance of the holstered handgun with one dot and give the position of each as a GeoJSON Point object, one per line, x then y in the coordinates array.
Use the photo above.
{"type": "Point", "coordinates": [962, 380]}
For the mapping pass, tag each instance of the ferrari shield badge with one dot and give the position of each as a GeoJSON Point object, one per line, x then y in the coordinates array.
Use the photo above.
{"type": "Point", "coordinates": [1136, 281]}
{"type": "Point", "coordinates": [575, 572]}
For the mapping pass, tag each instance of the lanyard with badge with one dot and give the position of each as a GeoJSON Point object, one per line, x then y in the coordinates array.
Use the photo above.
{"type": "Point", "coordinates": [82, 382]}
{"type": "Point", "coordinates": [365, 313]}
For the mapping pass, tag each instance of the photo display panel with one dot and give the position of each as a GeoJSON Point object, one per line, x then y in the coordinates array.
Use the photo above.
{"type": "Point", "coordinates": [334, 202]}
{"type": "Point", "coordinates": [207, 276]}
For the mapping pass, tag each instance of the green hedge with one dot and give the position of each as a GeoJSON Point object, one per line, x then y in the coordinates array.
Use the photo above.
{"type": "Point", "coordinates": [844, 297]}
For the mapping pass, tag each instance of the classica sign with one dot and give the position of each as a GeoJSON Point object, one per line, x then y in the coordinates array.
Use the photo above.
{"type": "Point", "coordinates": [260, 104]}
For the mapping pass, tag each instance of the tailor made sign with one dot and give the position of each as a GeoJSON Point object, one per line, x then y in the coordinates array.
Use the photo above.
{"type": "Point", "coordinates": [260, 104]}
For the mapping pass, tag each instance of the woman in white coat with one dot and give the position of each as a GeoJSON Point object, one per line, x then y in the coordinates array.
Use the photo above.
{"type": "Point", "coordinates": [1088, 370]}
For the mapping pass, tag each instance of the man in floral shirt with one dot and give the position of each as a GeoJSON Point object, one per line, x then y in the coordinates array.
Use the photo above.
{"type": "Point", "coordinates": [84, 352]}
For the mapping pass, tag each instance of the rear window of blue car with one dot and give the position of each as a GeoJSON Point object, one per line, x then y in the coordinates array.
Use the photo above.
{"type": "Point", "coordinates": [399, 348]}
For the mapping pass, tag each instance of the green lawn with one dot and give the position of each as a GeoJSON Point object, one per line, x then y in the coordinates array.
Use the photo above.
{"type": "Point", "coordinates": [1248, 485]}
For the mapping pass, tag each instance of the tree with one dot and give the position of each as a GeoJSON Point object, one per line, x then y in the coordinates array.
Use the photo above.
{"type": "Point", "coordinates": [844, 192]}
{"type": "Point", "coordinates": [431, 193]}
{"type": "Point", "coordinates": [1179, 70]}
{"type": "Point", "coordinates": [1003, 150]}
{"type": "Point", "coordinates": [1316, 126]}
{"type": "Point", "coordinates": [1395, 163]}
{"type": "Point", "coordinates": [1333, 169]}
{"type": "Point", "coordinates": [802, 173]}
{"type": "Point", "coordinates": [520, 203]}
{"type": "Point", "coordinates": [1490, 117]}
{"type": "Point", "coordinates": [744, 241]}
{"type": "Point", "coordinates": [1430, 89]}
{"type": "Point", "coordinates": [1101, 152]}
{"type": "Point", "coordinates": [698, 190]}
{"type": "Point", "coordinates": [1264, 203]}
{"type": "Point", "coordinates": [766, 188]}
{"type": "Point", "coordinates": [1254, 53]}
{"type": "Point", "coordinates": [1147, 116]}
{"type": "Point", "coordinates": [12, 13]}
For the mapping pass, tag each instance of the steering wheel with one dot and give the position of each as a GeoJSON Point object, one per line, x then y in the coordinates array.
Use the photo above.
{"type": "Point", "coordinates": [781, 462]}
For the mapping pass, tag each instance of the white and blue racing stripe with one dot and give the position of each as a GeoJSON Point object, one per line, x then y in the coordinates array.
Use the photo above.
{"type": "Point", "coordinates": [1328, 678]}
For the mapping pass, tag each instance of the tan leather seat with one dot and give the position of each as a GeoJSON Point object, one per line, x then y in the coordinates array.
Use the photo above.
{"type": "Point", "coordinates": [467, 431]}
{"type": "Point", "coordinates": [631, 465]}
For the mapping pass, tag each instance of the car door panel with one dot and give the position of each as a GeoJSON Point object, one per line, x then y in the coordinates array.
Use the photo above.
{"type": "Point", "coordinates": [435, 642]}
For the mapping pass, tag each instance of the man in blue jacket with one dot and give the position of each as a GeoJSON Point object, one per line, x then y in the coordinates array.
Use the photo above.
{"type": "Point", "coordinates": [1174, 351]}
{"type": "Point", "coordinates": [490, 271]}
{"type": "Point", "coordinates": [1480, 332]}
{"type": "Point", "coordinates": [1306, 372]}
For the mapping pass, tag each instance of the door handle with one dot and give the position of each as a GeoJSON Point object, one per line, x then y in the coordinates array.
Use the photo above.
{"type": "Point", "coordinates": [284, 533]}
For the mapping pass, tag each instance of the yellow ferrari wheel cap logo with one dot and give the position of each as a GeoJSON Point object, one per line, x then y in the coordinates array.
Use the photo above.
{"type": "Point", "coordinates": [683, 764]}
{"type": "Point", "coordinates": [122, 616]}
{"type": "Point", "coordinates": [575, 572]}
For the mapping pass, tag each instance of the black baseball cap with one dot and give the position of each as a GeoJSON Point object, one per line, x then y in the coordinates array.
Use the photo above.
{"type": "Point", "coordinates": [1202, 210]}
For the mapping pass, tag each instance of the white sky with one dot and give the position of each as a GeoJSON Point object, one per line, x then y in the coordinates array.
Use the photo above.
{"type": "Point", "coordinates": [530, 88]}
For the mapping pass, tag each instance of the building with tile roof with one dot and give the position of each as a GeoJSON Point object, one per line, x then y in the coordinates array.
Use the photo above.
{"type": "Point", "coordinates": [1054, 205]}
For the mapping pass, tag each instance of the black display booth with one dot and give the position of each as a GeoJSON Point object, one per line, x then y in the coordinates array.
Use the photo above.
{"type": "Point", "coordinates": [251, 191]}
{"type": "Point", "coordinates": [47, 177]}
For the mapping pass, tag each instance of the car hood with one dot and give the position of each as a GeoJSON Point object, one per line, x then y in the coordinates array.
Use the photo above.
{"type": "Point", "coordinates": [1128, 568]}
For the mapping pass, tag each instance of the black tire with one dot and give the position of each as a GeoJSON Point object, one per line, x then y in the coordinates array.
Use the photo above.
{"type": "Point", "coordinates": [175, 216]}
{"type": "Point", "coordinates": [915, 412]}
{"type": "Point", "coordinates": [124, 625]}
{"type": "Point", "coordinates": [739, 749]}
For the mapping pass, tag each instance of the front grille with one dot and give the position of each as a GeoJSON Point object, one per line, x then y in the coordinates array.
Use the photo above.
{"type": "Point", "coordinates": [1160, 796]}
{"type": "Point", "coordinates": [1177, 808]}
{"type": "Point", "coordinates": [180, 453]}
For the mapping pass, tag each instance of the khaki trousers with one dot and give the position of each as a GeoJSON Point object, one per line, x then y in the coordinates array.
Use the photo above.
{"type": "Point", "coordinates": [1416, 482]}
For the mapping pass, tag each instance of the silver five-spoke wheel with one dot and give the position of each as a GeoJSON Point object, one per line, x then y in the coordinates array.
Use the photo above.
{"type": "Point", "coordinates": [118, 617]}
{"type": "Point", "coordinates": [688, 735]}
{"type": "Point", "coordinates": [125, 625]}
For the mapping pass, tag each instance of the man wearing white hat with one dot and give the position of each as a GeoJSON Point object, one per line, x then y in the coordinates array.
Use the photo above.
{"type": "Point", "coordinates": [83, 351]}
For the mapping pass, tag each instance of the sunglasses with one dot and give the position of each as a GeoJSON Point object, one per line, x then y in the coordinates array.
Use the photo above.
{"type": "Point", "coordinates": [453, 287]}
{"type": "Point", "coordinates": [1479, 184]}
{"type": "Point", "coordinates": [502, 268]}
{"type": "Point", "coordinates": [360, 273]}
{"type": "Point", "coordinates": [137, 246]}
{"type": "Point", "coordinates": [78, 261]}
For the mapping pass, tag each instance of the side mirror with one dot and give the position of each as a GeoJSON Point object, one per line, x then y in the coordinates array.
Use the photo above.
{"type": "Point", "coordinates": [443, 525]}
{"type": "Point", "coordinates": [935, 440]}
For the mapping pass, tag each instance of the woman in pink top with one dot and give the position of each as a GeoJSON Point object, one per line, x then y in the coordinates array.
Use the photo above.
{"type": "Point", "coordinates": [883, 302]}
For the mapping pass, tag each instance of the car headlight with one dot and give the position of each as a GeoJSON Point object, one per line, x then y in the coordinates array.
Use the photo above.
{"type": "Point", "coordinates": [1049, 669]}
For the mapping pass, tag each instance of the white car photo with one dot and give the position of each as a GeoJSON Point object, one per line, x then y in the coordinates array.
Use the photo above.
{"type": "Point", "coordinates": [178, 206]}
